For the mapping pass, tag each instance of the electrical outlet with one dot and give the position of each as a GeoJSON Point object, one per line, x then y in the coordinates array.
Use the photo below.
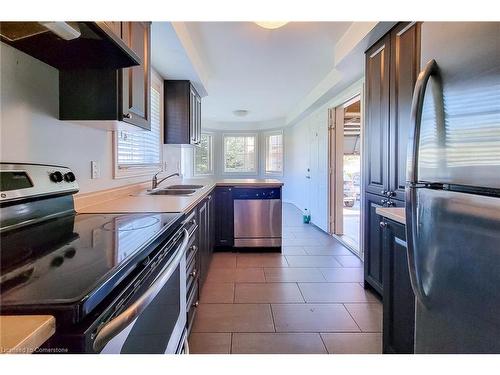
{"type": "Point", "coordinates": [95, 169]}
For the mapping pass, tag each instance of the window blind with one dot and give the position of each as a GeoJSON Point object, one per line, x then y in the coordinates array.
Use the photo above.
{"type": "Point", "coordinates": [142, 148]}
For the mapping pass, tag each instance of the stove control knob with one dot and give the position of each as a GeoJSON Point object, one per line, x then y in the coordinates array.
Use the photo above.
{"type": "Point", "coordinates": [69, 177]}
{"type": "Point", "coordinates": [56, 176]}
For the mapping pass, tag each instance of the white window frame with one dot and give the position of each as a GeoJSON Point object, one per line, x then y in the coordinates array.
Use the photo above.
{"type": "Point", "coordinates": [210, 156]}
{"type": "Point", "coordinates": [257, 158]}
{"type": "Point", "coordinates": [136, 171]}
{"type": "Point", "coordinates": [266, 141]}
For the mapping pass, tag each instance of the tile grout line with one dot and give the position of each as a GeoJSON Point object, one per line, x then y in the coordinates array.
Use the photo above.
{"type": "Point", "coordinates": [352, 317]}
{"type": "Point", "coordinates": [300, 290]}
{"type": "Point", "coordinates": [272, 317]}
{"type": "Point", "coordinates": [231, 343]}
{"type": "Point", "coordinates": [324, 345]}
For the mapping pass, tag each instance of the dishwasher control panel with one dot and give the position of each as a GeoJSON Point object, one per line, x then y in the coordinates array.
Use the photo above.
{"type": "Point", "coordinates": [257, 193]}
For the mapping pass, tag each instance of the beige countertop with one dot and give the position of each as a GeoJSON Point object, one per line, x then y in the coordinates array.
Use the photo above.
{"type": "Point", "coordinates": [393, 213]}
{"type": "Point", "coordinates": [22, 334]}
{"type": "Point", "coordinates": [132, 200]}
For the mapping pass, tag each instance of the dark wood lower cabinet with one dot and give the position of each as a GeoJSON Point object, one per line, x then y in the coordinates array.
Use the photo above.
{"type": "Point", "coordinates": [224, 214]}
{"type": "Point", "coordinates": [206, 234]}
{"type": "Point", "coordinates": [374, 262]}
{"type": "Point", "coordinates": [373, 243]}
{"type": "Point", "coordinates": [202, 244]}
{"type": "Point", "coordinates": [399, 300]}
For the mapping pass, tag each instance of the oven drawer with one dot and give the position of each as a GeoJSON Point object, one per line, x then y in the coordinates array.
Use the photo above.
{"type": "Point", "coordinates": [191, 224]}
{"type": "Point", "coordinates": [192, 251]}
{"type": "Point", "coordinates": [191, 271]}
{"type": "Point", "coordinates": [192, 305]}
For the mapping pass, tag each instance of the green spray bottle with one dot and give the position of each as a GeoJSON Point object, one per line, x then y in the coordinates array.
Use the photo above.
{"type": "Point", "coordinates": [306, 216]}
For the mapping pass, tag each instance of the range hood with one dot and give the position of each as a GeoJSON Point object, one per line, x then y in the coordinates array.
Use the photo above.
{"type": "Point", "coordinates": [70, 45]}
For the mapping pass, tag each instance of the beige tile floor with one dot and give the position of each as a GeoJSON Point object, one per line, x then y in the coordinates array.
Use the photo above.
{"type": "Point", "coordinates": [308, 299]}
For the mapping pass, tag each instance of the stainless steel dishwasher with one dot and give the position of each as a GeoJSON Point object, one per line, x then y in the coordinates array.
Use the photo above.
{"type": "Point", "coordinates": [257, 217]}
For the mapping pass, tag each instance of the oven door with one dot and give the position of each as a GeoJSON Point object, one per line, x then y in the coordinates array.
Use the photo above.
{"type": "Point", "coordinates": [155, 322]}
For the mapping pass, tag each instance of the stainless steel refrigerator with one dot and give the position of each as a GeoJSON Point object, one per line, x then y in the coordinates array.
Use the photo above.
{"type": "Point", "coordinates": [453, 189]}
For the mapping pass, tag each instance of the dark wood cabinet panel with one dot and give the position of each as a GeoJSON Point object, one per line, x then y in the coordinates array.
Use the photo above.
{"type": "Point", "coordinates": [374, 241]}
{"type": "Point", "coordinates": [211, 223]}
{"type": "Point", "coordinates": [224, 214]}
{"type": "Point", "coordinates": [405, 62]}
{"type": "Point", "coordinates": [373, 261]}
{"type": "Point", "coordinates": [399, 300]}
{"type": "Point", "coordinates": [377, 116]}
{"type": "Point", "coordinates": [391, 70]}
{"type": "Point", "coordinates": [111, 94]}
{"type": "Point", "coordinates": [136, 80]}
{"type": "Point", "coordinates": [203, 231]}
{"type": "Point", "coordinates": [182, 113]}
{"type": "Point", "coordinates": [206, 235]}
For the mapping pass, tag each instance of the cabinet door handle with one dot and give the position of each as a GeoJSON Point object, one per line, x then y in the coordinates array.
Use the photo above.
{"type": "Point", "coordinates": [383, 224]}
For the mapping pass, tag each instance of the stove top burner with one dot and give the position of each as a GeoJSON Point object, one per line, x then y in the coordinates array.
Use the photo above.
{"type": "Point", "coordinates": [124, 224]}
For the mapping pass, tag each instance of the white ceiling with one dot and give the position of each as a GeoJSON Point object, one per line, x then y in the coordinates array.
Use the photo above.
{"type": "Point", "coordinates": [169, 56]}
{"type": "Point", "coordinates": [266, 72]}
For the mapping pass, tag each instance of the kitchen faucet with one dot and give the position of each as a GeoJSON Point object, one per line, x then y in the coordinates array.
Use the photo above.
{"type": "Point", "coordinates": [155, 182]}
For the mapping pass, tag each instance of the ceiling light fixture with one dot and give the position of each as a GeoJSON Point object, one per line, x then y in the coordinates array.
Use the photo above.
{"type": "Point", "coordinates": [271, 24]}
{"type": "Point", "coordinates": [240, 112]}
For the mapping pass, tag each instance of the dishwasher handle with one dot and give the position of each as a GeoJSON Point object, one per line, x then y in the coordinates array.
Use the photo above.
{"type": "Point", "coordinates": [257, 193]}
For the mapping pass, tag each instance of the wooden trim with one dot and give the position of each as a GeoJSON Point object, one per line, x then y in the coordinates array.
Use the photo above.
{"type": "Point", "coordinates": [339, 170]}
{"type": "Point", "coordinates": [331, 170]}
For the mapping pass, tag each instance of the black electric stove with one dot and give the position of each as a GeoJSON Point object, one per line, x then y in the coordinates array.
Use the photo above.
{"type": "Point", "coordinates": [53, 260]}
{"type": "Point", "coordinates": [74, 261]}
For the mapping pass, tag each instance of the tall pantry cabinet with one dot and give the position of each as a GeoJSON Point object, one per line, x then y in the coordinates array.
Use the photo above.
{"type": "Point", "coordinates": [391, 69]}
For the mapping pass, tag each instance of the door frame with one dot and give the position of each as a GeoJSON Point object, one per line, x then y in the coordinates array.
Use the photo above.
{"type": "Point", "coordinates": [336, 169]}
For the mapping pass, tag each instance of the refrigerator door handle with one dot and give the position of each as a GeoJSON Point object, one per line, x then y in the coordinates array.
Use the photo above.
{"type": "Point", "coordinates": [431, 68]}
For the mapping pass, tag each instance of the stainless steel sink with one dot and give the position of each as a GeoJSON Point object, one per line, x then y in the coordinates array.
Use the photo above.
{"type": "Point", "coordinates": [172, 192]}
{"type": "Point", "coordinates": [180, 187]}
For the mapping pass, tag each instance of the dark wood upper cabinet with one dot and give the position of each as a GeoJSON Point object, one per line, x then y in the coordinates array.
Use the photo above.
{"type": "Point", "coordinates": [101, 95]}
{"type": "Point", "coordinates": [377, 116]}
{"type": "Point", "coordinates": [399, 300]}
{"type": "Point", "coordinates": [136, 80]}
{"type": "Point", "coordinates": [182, 113]}
{"type": "Point", "coordinates": [405, 63]}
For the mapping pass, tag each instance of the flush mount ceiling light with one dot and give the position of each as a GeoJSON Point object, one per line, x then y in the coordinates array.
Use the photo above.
{"type": "Point", "coordinates": [271, 24]}
{"type": "Point", "coordinates": [240, 112]}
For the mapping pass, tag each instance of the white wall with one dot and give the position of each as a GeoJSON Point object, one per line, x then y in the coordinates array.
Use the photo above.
{"type": "Point", "coordinates": [306, 146]}
{"type": "Point", "coordinates": [218, 154]}
{"type": "Point", "coordinates": [31, 132]}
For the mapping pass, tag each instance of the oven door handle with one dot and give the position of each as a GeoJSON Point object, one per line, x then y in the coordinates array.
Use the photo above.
{"type": "Point", "coordinates": [115, 326]}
